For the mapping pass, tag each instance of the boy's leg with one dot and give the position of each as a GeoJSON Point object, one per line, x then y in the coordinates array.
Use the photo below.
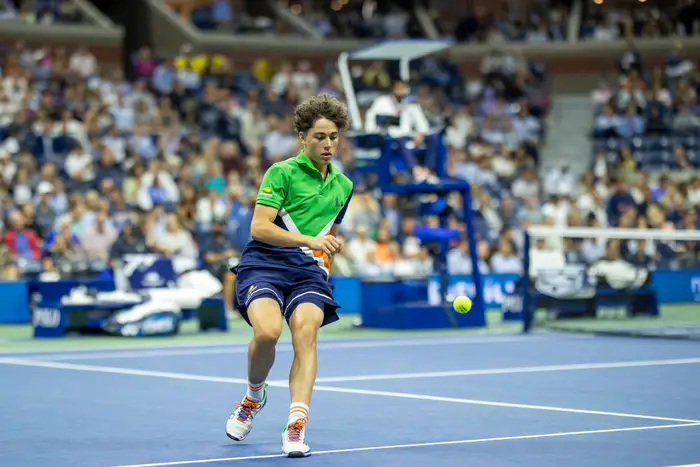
{"type": "Point", "coordinates": [260, 306]}
{"type": "Point", "coordinates": [266, 319]}
{"type": "Point", "coordinates": [304, 324]}
{"type": "Point", "coordinates": [306, 311]}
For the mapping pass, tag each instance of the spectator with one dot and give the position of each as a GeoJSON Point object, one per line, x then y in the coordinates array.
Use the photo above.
{"type": "Point", "coordinates": [364, 211]}
{"type": "Point", "coordinates": [209, 209]}
{"type": "Point", "coordinates": [8, 266]}
{"type": "Point", "coordinates": [218, 252]}
{"type": "Point", "coordinates": [557, 210]}
{"type": "Point", "coordinates": [527, 185]}
{"type": "Point", "coordinates": [65, 252]}
{"type": "Point", "coordinates": [606, 124]}
{"type": "Point", "coordinates": [23, 244]}
{"type": "Point", "coordinates": [144, 63]}
{"type": "Point", "coordinates": [631, 125]}
{"type": "Point", "coordinates": [44, 212]}
{"type": "Point", "coordinates": [131, 241]}
{"type": "Point", "coordinates": [98, 239]}
{"type": "Point", "coordinates": [83, 63]}
{"type": "Point", "coordinates": [173, 240]}
{"type": "Point", "coordinates": [685, 119]}
{"type": "Point", "coordinates": [656, 124]}
{"type": "Point", "coordinates": [459, 260]}
{"type": "Point", "coordinates": [146, 146]}
{"type": "Point", "coordinates": [504, 261]}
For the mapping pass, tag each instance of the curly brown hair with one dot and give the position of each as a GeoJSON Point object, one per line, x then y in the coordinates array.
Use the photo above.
{"type": "Point", "coordinates": [317, 107]}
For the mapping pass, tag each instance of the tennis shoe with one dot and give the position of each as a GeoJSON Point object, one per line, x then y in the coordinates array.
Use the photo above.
{"type": "Point", "coordinates": [294, 439]}
{"type": "Point", "coordinates": [240, 422]}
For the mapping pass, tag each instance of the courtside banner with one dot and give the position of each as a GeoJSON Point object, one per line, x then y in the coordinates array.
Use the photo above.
{"type": "Point", "coordinates": [681, 286]}
{"type": "Point", "coordinates": [15, 302]}
{"type": "Point", "coordinates": [496, 287]}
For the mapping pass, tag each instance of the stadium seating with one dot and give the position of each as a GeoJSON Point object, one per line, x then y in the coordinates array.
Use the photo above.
{"type": "Point", "coordinates": [248, 125]}
{"type": "Point", "coordinates": [654, 153]}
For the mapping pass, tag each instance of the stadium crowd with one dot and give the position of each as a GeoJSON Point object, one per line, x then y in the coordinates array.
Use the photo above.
{"type": "Point", "coordinates": [40, 11]}
{"type": "Point", "coordinates": [167, 158]}
{"type": "Point", "coordinates": [607, 21]}
{"type": "Point", "coordinates": [96, 164]}
{"type": "Point", "coordinates": [644, 173]}
{"type": "Point", "coordinates": [524, 22]}
{"type": "Point", "coordinates": [391, 19]}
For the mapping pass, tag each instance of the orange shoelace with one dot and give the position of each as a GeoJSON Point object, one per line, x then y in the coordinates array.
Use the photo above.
{"type": "Point", "coordinates": [247, 408]}
{"type": "Point", "coordinates": [294, 430]}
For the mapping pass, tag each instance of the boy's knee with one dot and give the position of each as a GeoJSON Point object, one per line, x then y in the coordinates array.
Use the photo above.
{"type": "Point", "coordinates": [305, 337]}
{"type": "Point", "coordinates": [266, 319]}
{"type": "Point", "coordinates": [268, 334]}
{"type": "Point", "coordinates": [305, 323]}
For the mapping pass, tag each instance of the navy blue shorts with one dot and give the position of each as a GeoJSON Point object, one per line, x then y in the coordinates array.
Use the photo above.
{"type": "Point", "coordinates": [288, 287]}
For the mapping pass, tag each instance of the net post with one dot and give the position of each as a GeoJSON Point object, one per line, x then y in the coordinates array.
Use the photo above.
{"type": "Point", "coordinates": [525, 284]}
{"type": "Point", "coordinates": [478, 299]}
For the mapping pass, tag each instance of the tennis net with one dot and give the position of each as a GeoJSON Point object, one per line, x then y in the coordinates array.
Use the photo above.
{"type": "Point", "coordinates": [636, 282]}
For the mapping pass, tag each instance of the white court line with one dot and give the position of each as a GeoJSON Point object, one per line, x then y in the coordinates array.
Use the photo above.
{"type": "Point", "coordinates": [174, 351]}
{"type": "Point", "coordinates": [418, 445]}
{"type": "Point", "coordinates": [508, 370]}
{"type": "Point", "coordinates": [686, 465]}
{"type": "Point", "coordinates": [123, 371]}
{"type": "Point", "coordinates": [458, 400]}
{"type": "Point", "coordinates": [217, 379]}
{"type": "Point", "coordinates": [107, 348]}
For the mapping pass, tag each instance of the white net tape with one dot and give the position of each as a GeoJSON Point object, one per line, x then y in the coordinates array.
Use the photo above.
{"type": "Point", "coordinates": [540, 231]}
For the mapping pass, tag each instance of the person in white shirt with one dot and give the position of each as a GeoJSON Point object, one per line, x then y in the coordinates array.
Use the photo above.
{"type": "Point", "coordinates": [404, 121]}
{"type": "Point", "coordinates": [359, 246]}
{"type": "Point", "coordinates": [97, 240]}
{"type": "Point", "coordinates": [504, 261]}
{"type": "Point", "coordinates": [176, 241]}
{"type": "Point", "coordinates": [83, 62]}
{"type": "Point", "coordinates": [79, 165]}
{"type": "Point", "coordinates": [412, 120]}
{"type": "Point", "coordinates": [459, 260]}
{"type": "Point", "coordinates": [526, 186]}
{"type": "Point", "coordinates": [210, 208]}
{"type": "Point", "coordinates": [557, 209]}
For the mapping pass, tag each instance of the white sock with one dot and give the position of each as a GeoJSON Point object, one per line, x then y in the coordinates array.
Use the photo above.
{"type": "Point", "coordinates": [296, 411]}
{"type": "Point", "coordinates": [255, 391]}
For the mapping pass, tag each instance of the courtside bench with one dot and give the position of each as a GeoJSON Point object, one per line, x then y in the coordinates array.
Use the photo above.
{"type": "Point", "coordinates": [54, 319]}
{"type": "Point", "coordinates": [637, 301]}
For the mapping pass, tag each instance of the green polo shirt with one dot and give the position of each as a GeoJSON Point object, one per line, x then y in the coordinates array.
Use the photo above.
{"type": "Point", "coordinates": [307, 204]}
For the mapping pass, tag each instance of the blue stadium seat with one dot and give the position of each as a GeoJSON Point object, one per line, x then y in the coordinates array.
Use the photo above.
{"type": "Point", "coordinates": [613, 143]}
{"type": "Point", "coordinates": [652, 142]}
{"type": "Point", "coordinates": [654, 158]}
{"type": "Point", "coordinates": [664, 142]}
{"type": "Point", "coordinates": [668, 158]}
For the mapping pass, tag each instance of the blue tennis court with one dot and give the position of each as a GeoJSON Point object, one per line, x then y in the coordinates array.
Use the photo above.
{"type": "Point", "coordinates": [538, 400]}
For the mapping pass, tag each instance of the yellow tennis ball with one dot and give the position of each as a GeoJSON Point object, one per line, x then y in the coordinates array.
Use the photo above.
{"type": "Point", "coordinates": [462, 304]}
